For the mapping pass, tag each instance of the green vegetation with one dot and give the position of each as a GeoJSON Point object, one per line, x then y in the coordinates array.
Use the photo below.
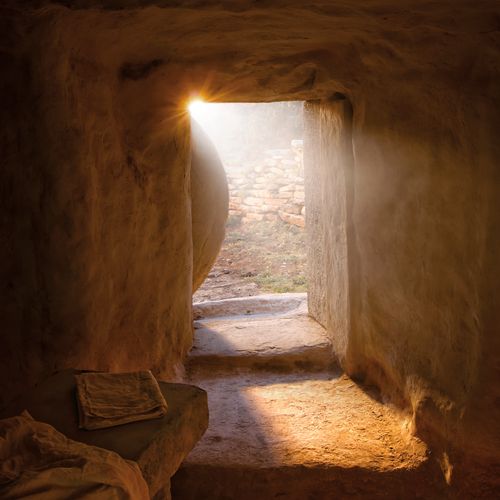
{"type": "Point", "coordinates": [280, 284]}
{"type": "Point", "coordinates": [270, 254]}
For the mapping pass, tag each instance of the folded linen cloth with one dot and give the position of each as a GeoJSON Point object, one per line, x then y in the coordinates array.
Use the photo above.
{"type": "Point", "coordinates": [109, 399]}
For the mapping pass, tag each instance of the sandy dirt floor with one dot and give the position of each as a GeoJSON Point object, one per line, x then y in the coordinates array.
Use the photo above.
{"type": "Point", "coordinates": [285, 422]}
{"type": "Point", "coordinates": [259, 257]}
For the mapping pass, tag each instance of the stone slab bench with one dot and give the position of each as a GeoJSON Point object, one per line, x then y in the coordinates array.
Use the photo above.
{"type": "Point", "coordinates": [158, 446]}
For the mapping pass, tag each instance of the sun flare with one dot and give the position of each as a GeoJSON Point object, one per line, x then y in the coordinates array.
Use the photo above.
{"type": "Point", "coordinates": [196, 107]}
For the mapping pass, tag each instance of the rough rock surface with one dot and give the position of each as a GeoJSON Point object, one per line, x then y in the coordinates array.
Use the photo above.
{"type": "Point", "coordinates": [96, 249]}
{"type": "Point", "coordinates": [262, 305]}
{"type": "Point", "coordinates": [209, 203]}
{"type": "Point", "coordinates": [275, 337]}
{"type": "Point", "coordinates": [329, 164]}
{"type": "Point", "coordinates": [296, 437]}
{"type": "Point", "coordinates": [269, 188]}
{"type": "Point", "coordinates": [280, 429]}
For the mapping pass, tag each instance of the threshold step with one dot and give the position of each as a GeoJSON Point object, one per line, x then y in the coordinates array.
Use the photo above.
{"type": "Point", "coordinates": [274, 344]}
{"type": "Point", "coordinates": [303, 436]}
{"type": "Point", "coordinates": [255, 306]}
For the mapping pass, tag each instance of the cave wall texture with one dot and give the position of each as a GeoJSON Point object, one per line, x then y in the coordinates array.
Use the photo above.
{"type": "Point", "coordinates": [329, 174]}
{"type": "Point", "coordinates": [96, 245]}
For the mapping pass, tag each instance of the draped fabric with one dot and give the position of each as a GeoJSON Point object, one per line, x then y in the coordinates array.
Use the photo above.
{"type": "Point", "coordinates": [38, 462]}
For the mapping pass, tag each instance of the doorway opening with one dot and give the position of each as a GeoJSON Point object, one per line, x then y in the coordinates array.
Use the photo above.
{"type": "Point", "coordinates": [261, 148]}
{"type": "Point", "coordinates": [281, 410]}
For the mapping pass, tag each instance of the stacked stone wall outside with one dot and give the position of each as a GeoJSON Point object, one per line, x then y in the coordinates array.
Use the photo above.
{"type": "Point", "coordinates": [269, 189]}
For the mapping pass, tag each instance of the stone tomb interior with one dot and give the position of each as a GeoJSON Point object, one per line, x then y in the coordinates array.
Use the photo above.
{"type": "Point", "coordinates": [383, 382]}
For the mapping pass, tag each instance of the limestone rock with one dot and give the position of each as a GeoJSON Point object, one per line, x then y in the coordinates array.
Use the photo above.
{"type": "Point", "coordinates": [96, 248]}
{"type": "Point", "coordinates": [209, 202]}
{"type": "Point", "coordinates": [297, 220]}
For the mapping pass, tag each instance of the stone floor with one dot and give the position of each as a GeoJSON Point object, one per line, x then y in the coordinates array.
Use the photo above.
{"type": "Point", "coordinates": [284, 421]}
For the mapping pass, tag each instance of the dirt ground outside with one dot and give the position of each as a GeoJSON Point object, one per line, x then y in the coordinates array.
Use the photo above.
{"type": "Point", "coordinates": [257, 257]}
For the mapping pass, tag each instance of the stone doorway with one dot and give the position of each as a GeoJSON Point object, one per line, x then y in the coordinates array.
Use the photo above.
{"type": "Point", "coordinates": [261, 148]}
{"type": "Point", "coordinates": [285, 420]}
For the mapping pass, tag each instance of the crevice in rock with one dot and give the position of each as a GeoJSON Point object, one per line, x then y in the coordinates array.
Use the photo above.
{"type": "Point", "coordinates": [138, 71]}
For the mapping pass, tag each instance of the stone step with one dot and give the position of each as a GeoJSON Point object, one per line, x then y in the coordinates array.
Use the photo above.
{"type": "Point", "coordinates": [283, 304]}
{"type": "Point", "coordinates": [303, 436]}
{"type": "Point", "coordinates": [284, 421]}
{"type": "Point", "coordinates": [267, 332]}
{"type": "Point", "coordinates": [272, 343]}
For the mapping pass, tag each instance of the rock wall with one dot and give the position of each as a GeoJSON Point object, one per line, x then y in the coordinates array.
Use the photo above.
{"type": "Point", "coordinates": [384, 263]}
{"type": "Point", "coordinates": [96, 249]}
{"type": "Point", "coordinates": [269, 189]}
{"type": "Point", "coordinates": [329, 169]}
{"type": "Point", "coordinates": [96, 253]}
{"type": "Point", "coordinates": [422, 293]}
